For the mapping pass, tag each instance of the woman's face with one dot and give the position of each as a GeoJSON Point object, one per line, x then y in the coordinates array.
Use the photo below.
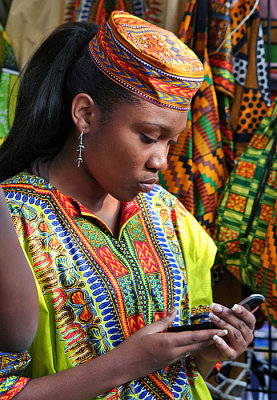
{"type": "Point", "coordinates": [125, 151]}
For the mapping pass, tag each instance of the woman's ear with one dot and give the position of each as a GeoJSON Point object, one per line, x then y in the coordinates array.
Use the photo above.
{"type": "Point", "coordinates": [83, 111]}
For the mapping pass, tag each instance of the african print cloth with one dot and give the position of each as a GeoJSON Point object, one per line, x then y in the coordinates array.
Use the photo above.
{"type": "Point", "coordinates": [252, 97]}
{"type": "Point", "coordinates": [221, 60]}
{"type": "Point", "coordinates": [167, 14]}
{"type": "Point", "coordinates": [246, 209]}
{"type": "Point", "coordinates": [270, 39]}
{"type": "Point", "coordinates": [9, 82]}
{"type": "Point", "coordinates": [11, 366]}
{"type": "Point", "coordinates": [196, 165]}
{"type": "Point", "coordinates": [164, 13]}
{"type": "Point", "coordinates": [95, 290]}
{"type": "Point", "coordinates": [98, 11]}
{"type": "Point", "coordinates": [267, 276]}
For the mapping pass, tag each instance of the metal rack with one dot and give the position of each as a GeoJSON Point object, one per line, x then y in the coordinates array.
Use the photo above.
{"type": "Point", "coordinates": [263, 364]}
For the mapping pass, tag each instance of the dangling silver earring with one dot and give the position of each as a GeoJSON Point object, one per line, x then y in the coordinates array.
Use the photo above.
{"type": "Point", "coordinates": [80, 148]}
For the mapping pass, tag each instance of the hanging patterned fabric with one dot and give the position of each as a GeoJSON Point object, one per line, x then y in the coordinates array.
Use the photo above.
{"type": "Point", "coordinates": [8, 84]}
{"type": "Point", "coordinates": [196, 167]}
{"type": "Point", "coordinates": [267, 276]}
{"type": "Point", "coordinates": [165, 13]}
{"type": "Point", "coordinates": [98, 11]}
{"type": "Point", "coordinates": [220, 54]}
{"type": "Point", "coordinates": [269, 22]}
{"type": "Point", "coordinates": [245, 220]}
{"type": "Point", "coordinates": [252, 98]}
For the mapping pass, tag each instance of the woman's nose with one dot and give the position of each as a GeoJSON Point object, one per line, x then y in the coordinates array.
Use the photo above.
{"type": "Point", "coordinates": [158, 160]}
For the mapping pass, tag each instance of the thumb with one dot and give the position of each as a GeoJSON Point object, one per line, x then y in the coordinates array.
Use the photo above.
{"type": "Point", "coordinates": [162, 324]}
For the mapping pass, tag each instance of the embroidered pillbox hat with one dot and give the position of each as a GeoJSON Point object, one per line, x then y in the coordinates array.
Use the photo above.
{"type": "Point", "coordinates": [147, 60]}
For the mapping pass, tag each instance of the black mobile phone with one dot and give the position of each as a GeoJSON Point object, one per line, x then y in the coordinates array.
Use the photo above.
{"type": "Point", "coordinates": [250, 303]}
{"type": "Point", "coordinates": [192, 327]}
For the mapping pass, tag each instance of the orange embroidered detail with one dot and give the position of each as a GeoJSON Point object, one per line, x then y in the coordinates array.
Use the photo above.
{"type": "Point", "coordinates": [135, 323]}
{"type": "Point", "coordinates": [233, 247]}
{"type": "Point", "coordinates": [146, 258]}
{"type": "Point", "coordinates": [257, 246]}
{"type": "Point", "coordinates": [246, 169]}
{"type": "Point", "coordinates": [20, 384]}
{"type": "Point", "coordinates": [112, 262]}
{"type": "Point", "coordinates": [266, 212]}
{"type": "Point", "coordinates": [236, 202]}
{"type": "Point", "coordinates": [228, 233]}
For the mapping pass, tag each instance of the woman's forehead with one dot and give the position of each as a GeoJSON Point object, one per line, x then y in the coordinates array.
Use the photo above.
{"type": "Point", "coordinates": [150, 115]}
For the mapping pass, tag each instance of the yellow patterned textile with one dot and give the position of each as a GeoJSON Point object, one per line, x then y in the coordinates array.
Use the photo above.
{"type": "Point", "coordinates": [147, 60]}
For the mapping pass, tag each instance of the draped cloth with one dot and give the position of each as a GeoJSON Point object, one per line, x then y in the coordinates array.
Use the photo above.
{"type": "Point", "coordinates": [196, 166]}
{"type": "Point", "coordinates": [98, 11]}
{"type": "Point", "coordinates": [246, 218]}
{"type": "Point", "coordinates": [251, 100]}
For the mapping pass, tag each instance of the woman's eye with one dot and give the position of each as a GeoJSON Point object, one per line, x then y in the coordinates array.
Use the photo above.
{"type": "Point", "coordinates": [147, 139]}
{"type": "Point", "coordinates": [172, 142]}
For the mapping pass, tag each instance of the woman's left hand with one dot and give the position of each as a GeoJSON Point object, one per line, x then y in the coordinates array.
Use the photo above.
{"type": "Point", "coordinates": [240, 324]}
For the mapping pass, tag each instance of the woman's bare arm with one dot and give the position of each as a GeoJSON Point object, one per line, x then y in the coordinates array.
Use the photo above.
{"type": "Point", "coordinates": [18, 292]}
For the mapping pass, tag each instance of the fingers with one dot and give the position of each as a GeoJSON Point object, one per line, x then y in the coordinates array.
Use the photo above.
{"type": "Point", "coordinates": [237, 317]}
{"type": "Point", "coordinates": [195, 338]}
{"type": "Point", "coordinates": [246, 315]}
{"type": "Point", "coordinates": [191, 341]}
{"type": "Point", "coordinates": [159, 326]}
{"type": "Point", "coordinates": [227, 352]}
{"type": "Point", "coordinates": [240, 324]}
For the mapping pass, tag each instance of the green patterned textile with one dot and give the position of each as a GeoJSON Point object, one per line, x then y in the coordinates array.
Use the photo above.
{"type": "Point", "coordinates": [247, 206]}
{"type": "Point", "coordinates": [9, 81]}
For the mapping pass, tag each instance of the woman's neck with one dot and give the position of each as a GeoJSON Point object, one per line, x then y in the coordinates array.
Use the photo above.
{"type": "Point", "coordinates": [73, 182]}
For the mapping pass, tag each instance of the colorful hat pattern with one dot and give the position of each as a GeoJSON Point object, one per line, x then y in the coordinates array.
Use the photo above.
{"type": "Point", "coordinates": [147, 60]}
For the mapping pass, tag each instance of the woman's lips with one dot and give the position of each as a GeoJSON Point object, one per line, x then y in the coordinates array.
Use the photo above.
{"type": "Point", "coordinates": [148, 185]}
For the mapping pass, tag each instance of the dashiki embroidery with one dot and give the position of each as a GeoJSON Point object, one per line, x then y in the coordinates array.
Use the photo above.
{"type": "Point", "coordinates": [96, 290]}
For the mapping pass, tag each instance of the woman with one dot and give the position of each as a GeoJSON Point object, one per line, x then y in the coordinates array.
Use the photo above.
{"type": "Point", "coordinates": [116, 258]}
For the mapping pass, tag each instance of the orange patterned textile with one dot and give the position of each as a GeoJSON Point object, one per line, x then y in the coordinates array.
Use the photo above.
{"type": "Point", "coordinates": [267, 276]}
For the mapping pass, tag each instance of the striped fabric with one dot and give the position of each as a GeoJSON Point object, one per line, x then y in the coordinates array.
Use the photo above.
{"type": "Point", "coordinates": [245, 214]}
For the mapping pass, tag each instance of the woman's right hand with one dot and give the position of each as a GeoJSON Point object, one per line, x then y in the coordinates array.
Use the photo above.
{"type": "Point", "coordinates": [152, 347]}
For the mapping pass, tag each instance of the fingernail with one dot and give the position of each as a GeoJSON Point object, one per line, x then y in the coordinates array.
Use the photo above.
{"type": "Point", "coordinates": [215, 317]}
{"type": "Point", "coordinates": [224, 332]}
{"type": "Point", "coordinates": [236, 308]}
{"type": "Point", "coordinates": [217, 339]}
{"type": "Point", "coordinates": [216, 307]}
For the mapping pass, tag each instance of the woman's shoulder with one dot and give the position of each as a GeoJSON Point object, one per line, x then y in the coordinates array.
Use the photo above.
{"type": "Point", "coordinates": [27, 179]}
{"type": "Point", "coordinates": [25, 188]}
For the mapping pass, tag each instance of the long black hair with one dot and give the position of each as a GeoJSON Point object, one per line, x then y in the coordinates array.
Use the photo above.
{"type": "Point", "coordinates": [59, 70]}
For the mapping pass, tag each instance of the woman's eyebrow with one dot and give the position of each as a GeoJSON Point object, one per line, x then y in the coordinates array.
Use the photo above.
{"type": "Point", "coordinates": [163, 127]}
